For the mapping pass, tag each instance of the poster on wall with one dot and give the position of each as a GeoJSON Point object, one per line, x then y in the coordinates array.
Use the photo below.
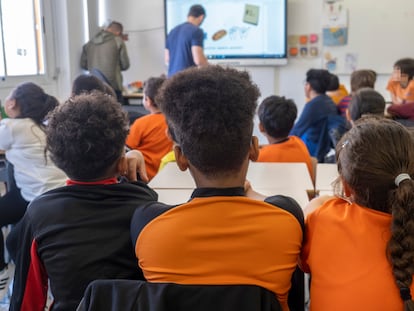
{"type": "Point", "coordinates": [303, 46]}
{"type": "Point", "coordinates": [334, 24]}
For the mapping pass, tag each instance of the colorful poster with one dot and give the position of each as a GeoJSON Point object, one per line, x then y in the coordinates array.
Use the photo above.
{"type": "Point", "coordinates": [334, 25]}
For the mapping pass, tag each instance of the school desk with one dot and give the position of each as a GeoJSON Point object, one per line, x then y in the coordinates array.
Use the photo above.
{"type": "Point", "coordinates": [326, 174]}
{"type": "Point", "coordinates": [178, 196]}
{"type": "Point", "coordinates": [261, 176]}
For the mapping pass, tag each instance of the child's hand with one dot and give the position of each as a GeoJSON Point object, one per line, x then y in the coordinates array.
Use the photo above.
{"type": "Point", "coordinates": [136, 163]}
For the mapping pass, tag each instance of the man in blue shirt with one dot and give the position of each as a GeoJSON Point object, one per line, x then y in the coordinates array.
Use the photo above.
{"type": "Point", "coordinates": [184, 46]}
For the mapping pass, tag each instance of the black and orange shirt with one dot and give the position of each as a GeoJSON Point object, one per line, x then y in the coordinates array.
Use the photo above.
{"type": "Point", "coordinates": [220, 237]}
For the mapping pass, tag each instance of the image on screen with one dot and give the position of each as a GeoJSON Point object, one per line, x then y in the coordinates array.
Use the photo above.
{"type": "Point", "coordinates": [251, 32]}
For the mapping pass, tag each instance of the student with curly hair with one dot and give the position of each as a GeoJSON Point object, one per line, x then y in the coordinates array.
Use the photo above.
{"type": "Point", "coordinates": [277, 116]}
{"type": "Point", "coordinates": [148, 134]}
{"type": "Point", "coordinates": [23, 138]}
{"type": "Point", "coordinates": [80, 232]}
{"type": "Point", "coordinates": [359, 245]}
{"type": "Point", "coordinates": [220, 236]}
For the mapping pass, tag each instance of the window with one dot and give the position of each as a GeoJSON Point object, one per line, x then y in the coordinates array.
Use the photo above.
{"type": "Point", "coordinates": [21, 38]}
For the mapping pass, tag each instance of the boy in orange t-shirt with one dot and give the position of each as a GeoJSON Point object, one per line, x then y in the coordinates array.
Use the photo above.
{"type": "Point", "coordinates": [148, 134]}
{"type": "Point", "coordinates": [401, 83]}
{"type": "Point", "coordinates": [277, 116]}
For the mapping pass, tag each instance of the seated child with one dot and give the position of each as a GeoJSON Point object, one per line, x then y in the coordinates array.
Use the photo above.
{"type": "Point", "coordinates": [365, 102]}
{"type": "Point", "coordinates": [401, 84]}
{"type": "Point", "coordinates": [23, 139]}
{"type": "Point", "coordinates": [336, 91]}
{"type": "Point", "coordinates": [277, 116]}
{"type": "Point", "coordinates": [359, 79]}
{"type": "Point", "coordinates": [148, 134]}
{"type": "Point", "coordinates": [358, 247]}
{"type": "Point", "coordinates": [80, 232]}
{"type": "Point", "coordinates": [85, 83]}
{"type": "Point", "coordinates": [220, 236]}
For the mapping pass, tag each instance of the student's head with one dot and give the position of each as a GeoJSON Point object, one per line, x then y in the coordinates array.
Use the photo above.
{"type": "Point", "coordinates": [334, 83]}
{"type": "Point", "coordinates": [277, 116]}
{"type": "Point", "coordinates": [370, 156]}
{"type": "Point", "coordinates": [363, 78]}
{"type": "Point", "coordinates": [29, 100]}
{"type": "Point", "coordinates": [318, 80]}
{"type": "Point", "coordinates": [197, 13]}
{"type": "Point", "coordinates": [86, 136]}
{"type": "Point", "coordinates": [405, 67]}
{"type": "Point", "coordinates": [85, 83]}
{"type": "Point", "coordinates": [210, 113]}
{"type": "Point", "coordinates": [116, 28]}
{"type": "Point", "coordinates": [366, 102]}
{"type": "Point", "coordinates": [151, 87]}
{"type": "Point", "coordinates": [196, 10]}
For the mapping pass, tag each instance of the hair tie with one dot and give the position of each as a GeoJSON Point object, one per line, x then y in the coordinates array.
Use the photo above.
{"type": "Point", "coordinates": [405, 293]}
{"type": "Point", "coordinates": [401, 177]}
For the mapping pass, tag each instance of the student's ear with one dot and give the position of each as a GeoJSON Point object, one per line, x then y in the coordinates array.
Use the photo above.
{"type": "Point", "coordinates": [180, 158]}
{"type": "Point", "coordinates": [261, 127]}
{"type": "Point", "coordinates": [347, 190]}
{"type": "Point", "coordinates": [348, 117]}
{"type": "Point", "coordinates": [122, 166]}
{"type": "Point", "coordinates": [254, 149]}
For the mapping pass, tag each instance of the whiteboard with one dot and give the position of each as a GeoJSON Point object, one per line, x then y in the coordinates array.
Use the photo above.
{"type": "Point", "coordinates": [379, 33]}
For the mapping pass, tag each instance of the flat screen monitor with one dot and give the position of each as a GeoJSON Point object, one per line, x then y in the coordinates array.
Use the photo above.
{"type": "Point", "coordinates": [238, 33]}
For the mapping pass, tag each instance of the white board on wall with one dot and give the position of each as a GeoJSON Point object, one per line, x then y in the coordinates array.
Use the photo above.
{"type": "Point", "coordinates": [380, 32]}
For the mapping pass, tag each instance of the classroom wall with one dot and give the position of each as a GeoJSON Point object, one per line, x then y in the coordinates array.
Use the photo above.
{"type": "Point", "coordinates": [144, 22]}
{"type": "Point", "coordinates": [146, 31]}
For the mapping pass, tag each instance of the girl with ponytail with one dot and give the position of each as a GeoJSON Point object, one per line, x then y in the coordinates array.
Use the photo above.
{"type": "Point", "coordinates": [359, 247]}
{"type": "Point", "coordinates": [23, 140]}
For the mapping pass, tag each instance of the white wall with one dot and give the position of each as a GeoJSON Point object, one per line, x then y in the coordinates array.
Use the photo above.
{"type": "Point", "coordinates": [144, 22]}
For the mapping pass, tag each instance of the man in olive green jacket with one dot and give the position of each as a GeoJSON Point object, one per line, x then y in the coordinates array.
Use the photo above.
{"type": "Point", "coordinates": [105, 55]}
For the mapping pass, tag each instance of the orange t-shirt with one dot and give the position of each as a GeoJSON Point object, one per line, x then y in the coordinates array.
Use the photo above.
{"type": "Point", "coordinates": [148, 134]}
{"type": "Point", "coordinates": [220, 240]}
{"type": "Point", "coordinates": [406, 94]}
{"type": "Point", "coordinates": [345, 253]}
{"type": "Point", "coordinates": [292, 150]}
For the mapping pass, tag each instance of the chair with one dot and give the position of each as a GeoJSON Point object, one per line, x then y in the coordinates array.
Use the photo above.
{"type": "Point", "coordinates": [99, 74]}
{"type": "Point", "coordinates": [130, 295]}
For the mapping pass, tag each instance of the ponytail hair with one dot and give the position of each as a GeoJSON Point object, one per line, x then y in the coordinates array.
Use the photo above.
{"type": "Point", "coordinates": [401, 244]}
{"type": "Point", "coordinates": [33, 102]}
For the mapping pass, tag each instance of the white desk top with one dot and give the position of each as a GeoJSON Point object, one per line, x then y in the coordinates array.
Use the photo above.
{"type": "Point", "coordinates": [260, 175]}
{"type": "Point", "coordinates": [177, 196]}
{"type": "Point", "coordinates": [326, 173]}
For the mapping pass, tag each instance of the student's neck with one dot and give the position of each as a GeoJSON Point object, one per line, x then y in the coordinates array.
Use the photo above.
{"type": "Point", "coordinates": [313, 94]}
{"type": "Point", "coordinates": [231, 180]}
{"type": "Point", "coordinates": [277, 140]}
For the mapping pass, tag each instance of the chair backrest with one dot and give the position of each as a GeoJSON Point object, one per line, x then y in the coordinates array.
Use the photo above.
{"type": "Point", "coordinates": [97, 73]}
{"type": "Point", "coordinates": [128, 295]}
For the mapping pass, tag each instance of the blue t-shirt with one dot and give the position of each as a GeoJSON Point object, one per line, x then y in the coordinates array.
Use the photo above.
{"type": "Point", "coordinates": [179, 43]}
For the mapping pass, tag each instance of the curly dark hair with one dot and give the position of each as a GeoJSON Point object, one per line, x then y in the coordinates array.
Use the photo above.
{"type": "Point", "coordinates": [370, 156]}
{"type": "Point", "coordinates": [319, 80]}
{"type": "Point", "coordinates": [210, 113]}
{"type": "Point", "coordinates": [86, 135]}
{"type": "Point", "coordinates": [277, 115]}
{"type": "Point", "coordinates": [33, 102]}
